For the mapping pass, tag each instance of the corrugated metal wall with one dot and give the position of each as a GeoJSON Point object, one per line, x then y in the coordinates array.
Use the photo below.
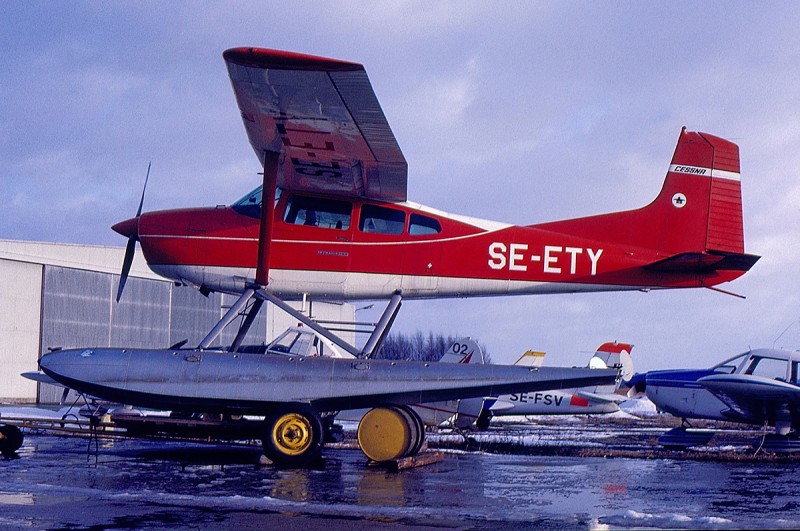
{"type": "Point", "coordinates": [192, 315]}
{"type": "Point", "coordinates": [79, 310]}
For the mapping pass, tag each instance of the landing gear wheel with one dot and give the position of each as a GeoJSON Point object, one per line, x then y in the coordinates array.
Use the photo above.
{"type": "Point", "coordinates": [390, 433]}
{"type": "Point", "coordinates": [10, 439]}
{"type": "Point", "coordinates": [420, 429]}
{"type": "Point", "coordinates": [293, 436]}
{"type": "Point", "coordinates": [483, 419]}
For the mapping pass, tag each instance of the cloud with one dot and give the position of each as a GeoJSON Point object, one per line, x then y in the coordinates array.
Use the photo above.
{"type": "Point", "coordinates": [520, 112]}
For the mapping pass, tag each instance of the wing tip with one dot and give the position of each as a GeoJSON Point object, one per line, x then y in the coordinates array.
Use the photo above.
{"type": "Point", "coordinates": [269, 58]}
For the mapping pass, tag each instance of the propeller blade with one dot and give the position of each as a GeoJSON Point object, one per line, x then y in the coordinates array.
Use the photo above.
{"type": "Point", "coordinates": [130, 249]}
{"type": "Point", "coordinates": [141, 201]}
{"type": "Point", "coordinates": [126, 264]}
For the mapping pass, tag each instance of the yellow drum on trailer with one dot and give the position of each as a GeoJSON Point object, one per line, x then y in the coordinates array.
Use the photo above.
{"type": "Point", "coordinates": [389, 433]}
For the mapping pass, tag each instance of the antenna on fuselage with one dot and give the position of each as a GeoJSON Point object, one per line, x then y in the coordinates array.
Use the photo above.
{"type": "Point", "coordinates": [784, 331]}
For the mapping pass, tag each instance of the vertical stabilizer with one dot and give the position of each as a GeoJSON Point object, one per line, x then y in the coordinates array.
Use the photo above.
{"type": "Point", "coordinates": [698, 211]}
{"type": "Point", "coordinates": [613, 355]}
{"type": "Point", "coordinates": [463, 350]}
{"type": "Point", "coordinates": [702, 196]}
{"type": "Point", "coordinates": [531, 358]}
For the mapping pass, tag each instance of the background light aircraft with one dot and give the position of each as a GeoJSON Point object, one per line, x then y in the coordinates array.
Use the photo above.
{"type": "Point", "coordinates": [585, 401]}
{"type": "Point", "coordinates": [340, 227]}
{"type": "Point", "coordinates": [460, 412]}
{"type": "Point", "coordinates": [760, 386]}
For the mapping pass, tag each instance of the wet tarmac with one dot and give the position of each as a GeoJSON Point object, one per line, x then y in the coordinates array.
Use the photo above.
{"type": "Point", "coordinates": [66, 482]}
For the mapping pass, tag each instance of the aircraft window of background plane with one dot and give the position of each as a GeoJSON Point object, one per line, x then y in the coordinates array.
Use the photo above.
{"type": "Point", "coordinates": [794, 373]}
{"type": "Point", "coordinates": [732, 365]}
{"type": "Point", "coordinates": [768, 368]}
{"type": "Point", "coordinates": [381, 220]}
{"type": "Point", "coordinates": [288, 343]}
{"type": "Point", "coordinates": [323, 213]}
{"type": "Point", "coordinates": [423, 225]}
{"type": "Point", "coordinates": [302, 346]}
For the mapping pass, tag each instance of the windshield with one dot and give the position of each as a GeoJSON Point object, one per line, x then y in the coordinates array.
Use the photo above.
{"type": "Point", "coordinates": [731, 365]}
{"type": "Point", "coordinates": [250, 204]}
{"type": "Point", "coordinates": [297, 342]}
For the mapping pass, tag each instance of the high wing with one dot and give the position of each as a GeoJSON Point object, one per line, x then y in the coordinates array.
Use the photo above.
{"type": "Point", "coordinates": [323, 118]}
{"type": "Point", "coordinates": [753, 398]}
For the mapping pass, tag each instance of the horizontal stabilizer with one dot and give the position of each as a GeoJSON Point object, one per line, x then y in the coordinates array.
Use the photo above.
{"type": "Point", "coordinates": [501, 405]}
{"type": "Point", "coordinates": [704, 262]}
{"type": "Point", "coordinates": [609, 398]}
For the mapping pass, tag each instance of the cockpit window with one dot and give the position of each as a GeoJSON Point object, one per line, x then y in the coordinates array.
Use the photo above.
{"type": "Point", "coordinates": [382, 220]}
{"type": "Point", "coordinates": [423, 225]}
{"type": "Point", "coordinates": [316, 212]}
{"type": "Point", "coordinates": [250, 205]}
{"type": "Point", "coordinates": [768, 367]}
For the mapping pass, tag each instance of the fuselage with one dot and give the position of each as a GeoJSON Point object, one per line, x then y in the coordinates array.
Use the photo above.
{"type": "Point", "coordinates": [753, 387]}
{"type": "Point", "coordinates": [567, 402]}
{"type": "Point", "coordinates": [679, 393]}
{"type": "Point", "coordinates": [348, 249]}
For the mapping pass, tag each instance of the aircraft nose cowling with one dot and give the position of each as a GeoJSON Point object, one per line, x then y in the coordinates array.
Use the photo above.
{"type": "Point", "coordinates": [129, 227]}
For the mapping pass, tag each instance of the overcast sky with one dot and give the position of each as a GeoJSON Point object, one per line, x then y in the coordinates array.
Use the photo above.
{"type": "Point", "coordinates": [519, 112]}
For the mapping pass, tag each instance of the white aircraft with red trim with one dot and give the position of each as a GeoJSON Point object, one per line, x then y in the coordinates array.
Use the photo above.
{"type": "Point", "coordinates": [583, 401]}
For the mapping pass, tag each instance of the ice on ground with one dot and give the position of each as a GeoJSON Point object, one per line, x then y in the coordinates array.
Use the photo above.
{"type": "Point", "coordinates": [28, 412]}
{"type": "Point", "coordinates": [634, 520]}
{"type": "Point", "coordinates": [639, 407]}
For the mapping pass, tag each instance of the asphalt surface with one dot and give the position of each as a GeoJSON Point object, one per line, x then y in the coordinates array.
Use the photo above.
{"type": "Point", "coordinates": [566, 474]}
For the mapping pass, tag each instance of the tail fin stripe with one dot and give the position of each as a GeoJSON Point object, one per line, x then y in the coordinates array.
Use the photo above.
{"type": "Point", "coordinates": [723, 174]}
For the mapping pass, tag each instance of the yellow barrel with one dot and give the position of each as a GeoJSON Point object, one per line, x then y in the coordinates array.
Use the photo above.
{"type": "Point", "coordinates": [389, 433]}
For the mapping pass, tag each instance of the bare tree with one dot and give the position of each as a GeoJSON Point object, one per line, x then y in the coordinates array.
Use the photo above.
{"type": "Point", "coordinates": [419, 347]}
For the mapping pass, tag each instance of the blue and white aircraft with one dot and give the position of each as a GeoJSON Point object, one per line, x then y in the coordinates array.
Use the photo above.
{"type": "Point", "coordinates": [759, 387]}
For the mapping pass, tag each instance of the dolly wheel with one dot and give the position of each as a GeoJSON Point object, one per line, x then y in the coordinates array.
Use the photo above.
{"type": "Point", "coordinates": [293, 437]}
{"type": "Point", "coordinates": [10, 439]}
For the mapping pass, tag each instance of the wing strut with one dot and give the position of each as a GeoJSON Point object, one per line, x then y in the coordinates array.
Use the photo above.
{"type": "Point", "coordinates": [375, 340]}
{"type": "Point", "coordinates": [267, 214]}
{"type": "Point", "coordinates": [245, 327]}
{"type": "Point", "coordinates": [229, 316]}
